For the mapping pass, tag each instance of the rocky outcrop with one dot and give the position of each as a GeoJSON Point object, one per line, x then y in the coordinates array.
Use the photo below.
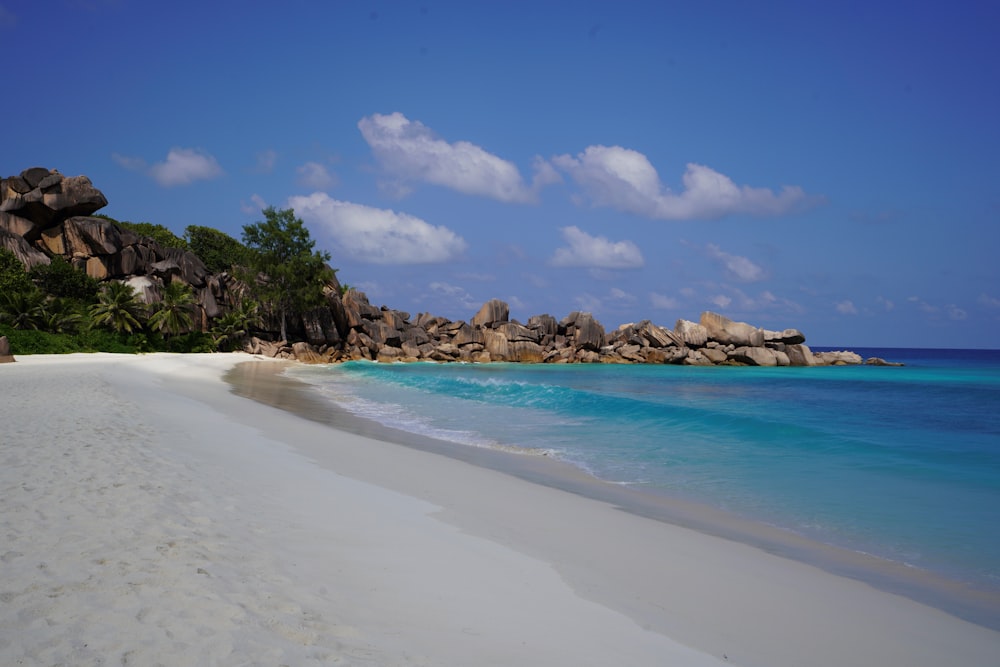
{"type": "Point", "coordinates": [5, 356]}
{"type": "Point", "coordinates": [46, 198]}
{"type": "Point", "coordinates": [44, 214]}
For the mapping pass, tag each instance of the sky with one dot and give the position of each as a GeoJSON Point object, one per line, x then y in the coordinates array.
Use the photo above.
{"type": "Point", "coordinates": [830, 167]}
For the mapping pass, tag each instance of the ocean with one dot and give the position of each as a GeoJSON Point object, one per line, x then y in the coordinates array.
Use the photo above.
{"type": "Point", "coordinates": [902, 463]}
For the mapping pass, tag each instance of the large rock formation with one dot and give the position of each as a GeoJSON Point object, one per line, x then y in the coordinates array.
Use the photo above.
{"type": "Point", "coordinates": [5, 355]}
{"type": "Point", "coordinates": [44, 214]}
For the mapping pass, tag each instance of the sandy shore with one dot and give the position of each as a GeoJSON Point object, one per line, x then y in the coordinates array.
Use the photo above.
{"type": "Point", "coordinates": [149, 516]}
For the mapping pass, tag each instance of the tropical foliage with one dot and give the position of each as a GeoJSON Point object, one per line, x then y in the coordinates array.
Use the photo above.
{"type": "Point", "coordinates": [118, 309]}
{"type": "Point", "coordinates": [157, 232]}
{"type": "Point", "coordinates": [288, 276]}
{"type": "Point", "coordinates": [219, 251]}
{"type": "Point", "coordinates": [173, 315]}
{"type": "Point", "coordinates": [58, 308]}
{"type": "Point", "coordinates": [59, 278]}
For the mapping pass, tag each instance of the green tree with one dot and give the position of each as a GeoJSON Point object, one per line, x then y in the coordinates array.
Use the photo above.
{"type": "Point", "coordinates": [13, 277]}
{"type": "Point", "coordinates": [174, 313]}
{"type": "Point", "coordinates": [232, 329]}
{"type": "Point", "coordinates": [155, 231]}
{"type": "Point", "coordinates": [117, 308]}
{"type": "Point", "coordinates": [290, 275]}
{"type": "Point", "coordinates": [219, 251]}
{"type": "Point", "coordinates": [23, 308]}
{"type": "Point", "coordinates": [59, 278]}
{"type": "Point", "coordinates": [62, 315]}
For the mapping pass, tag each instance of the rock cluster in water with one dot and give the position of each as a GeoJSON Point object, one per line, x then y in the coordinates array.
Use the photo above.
{"type": "Point", "coordinates": [44, 214]}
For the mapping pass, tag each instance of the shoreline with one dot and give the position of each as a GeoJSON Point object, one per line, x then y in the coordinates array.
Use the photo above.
{"type": "Point", "coordinates": [269, 384]}
{"type": "Point", "coordinates": [151, 512]}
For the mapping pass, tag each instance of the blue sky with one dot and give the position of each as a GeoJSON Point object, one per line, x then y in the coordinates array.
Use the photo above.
{"type": "Point", "coordinates": [833, 167]}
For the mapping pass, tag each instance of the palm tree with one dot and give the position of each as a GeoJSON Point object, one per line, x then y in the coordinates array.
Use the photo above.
{"type": "Point", "coordinates": [173, 314]}
{"type": "Point", "coordinates": [231, 329]}
{"type": "Point", "coordinates": [23, 309]}
{"type": "Point", "coordinates": [62, 315]}
{"type": "Point", "coordinates": [117, 308]}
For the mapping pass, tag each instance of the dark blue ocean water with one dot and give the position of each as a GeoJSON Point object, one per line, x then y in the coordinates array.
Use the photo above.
{"type": "Point", "coordinates": [902, 463]}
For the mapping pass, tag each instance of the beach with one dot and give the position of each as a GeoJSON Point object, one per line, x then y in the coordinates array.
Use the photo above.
{"type": "Point", "coordinates": [152, 516]}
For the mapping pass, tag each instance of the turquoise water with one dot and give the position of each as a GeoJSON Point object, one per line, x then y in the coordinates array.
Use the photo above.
{"type": "Point", "coordinates": [902, 463]}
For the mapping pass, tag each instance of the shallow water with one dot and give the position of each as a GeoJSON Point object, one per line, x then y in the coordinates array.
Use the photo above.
{"type": "Point", "coordinates": [903, 463]}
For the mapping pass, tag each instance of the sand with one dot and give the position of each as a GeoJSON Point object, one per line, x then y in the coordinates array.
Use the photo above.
{"type": "Point", "coordinates": [149, 516]}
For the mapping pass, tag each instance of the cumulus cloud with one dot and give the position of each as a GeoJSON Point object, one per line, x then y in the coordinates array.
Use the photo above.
{"type": "Point", "coordinates": [265, 161]}
{"type": "Point", "coordinates": [596, 252]}
{"type": "Point", "coordinates": [740, 268]}
{"type": "Point", "coordinates": [411, 152]}
{"type": "Point", "coordinates": [256, 205]}
{"type": "Point", "coordinates": [315, 176]}
{"type": "Point", "coordinates": [378, 236]}
{"type": "Point", "coordinates": [184, 166]}
{"type": "Point", "coordinates": [624, 179]}
{"type": "Point", "coordinates": [846, 307]}
{"type": "Point", "coordinates": [721, 300]}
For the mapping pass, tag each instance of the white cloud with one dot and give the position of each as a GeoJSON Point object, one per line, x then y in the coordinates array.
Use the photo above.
{"type": "Point", "coordinates": [256, 205]}
{"type": "Point", "coordinates": [315, 176]}
{"type": "Point", "coordinates": [923, 305]}
{"type": "Point", "coordinates": [378, 236]}
{"type": "Point", "coordinates": [846, 307]}
{"type": "Point", "coordinates": [885, 303]}
{"type": "Point", "coordinates": [956, 313]}
{"type": "Point", "coordinates": [989, 301]}
{"type": "Point", "coordinates": [624, 179]}
{"type": "Point", "coordinates": [721, 300]}
{"type": "Point", "coordinates": [587, 303]}
{"type": "Point", "coordinates": [663, 302]}
{"type": "Point", "coordinates": [130, 163]}
{"type": "Point", "coordinates": [621, 295]}
{"type": "Point", "coordinates": [184, 166]}
{"type": "Point", "coordinates": [596, 252]}
{"type": "Point", "coordinates": [411, 152]}
{"type": "Point", "coordinates": [266, 161]}
{"type": "Point", "coordinates": [740, 268]}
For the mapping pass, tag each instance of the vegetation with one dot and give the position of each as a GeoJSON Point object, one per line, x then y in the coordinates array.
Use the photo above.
{"type": "Point", "coordinates": [232, 329]}
{"type": "Point", "coordinates": [60, 279]}
{"type": "Point", "coordinates": [219, 251]}
{"type": "Point", "coordinates": [118, 309]}
{"type": "Point", "coordinates": [173, 315]}
{"type": "Point", "coordinates": [12, 275]}
{"type": "Point", "coordinates": [58, 308]}
{"type": "Point", "coordinates": [288, 276]}
{"type": "Point", "coordinates": [157, 232]}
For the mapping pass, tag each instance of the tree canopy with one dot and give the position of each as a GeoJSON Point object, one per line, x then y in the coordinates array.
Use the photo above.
{"type": "Point", "coordinates": [290, 274]}
{"type": "Point", "coordinates": [219, 251]}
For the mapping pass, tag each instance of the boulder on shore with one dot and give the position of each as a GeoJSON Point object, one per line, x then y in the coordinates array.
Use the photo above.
{"type": "Point", "coordinates": [5, 356]}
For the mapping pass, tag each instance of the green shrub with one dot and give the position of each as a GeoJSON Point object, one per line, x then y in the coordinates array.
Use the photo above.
{"type": "Point", "coordinates": [60, 278]}
{"type": "Point", "coordinates": [13, 277]}
{"type": "Point", "coordinates": [219, 251]}
{"type": "Point", "coordinates": [157, 232]}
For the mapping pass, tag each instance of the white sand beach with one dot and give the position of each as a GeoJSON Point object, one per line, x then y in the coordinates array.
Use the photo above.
{"type": "Point", "coordinates": [149, 516]}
